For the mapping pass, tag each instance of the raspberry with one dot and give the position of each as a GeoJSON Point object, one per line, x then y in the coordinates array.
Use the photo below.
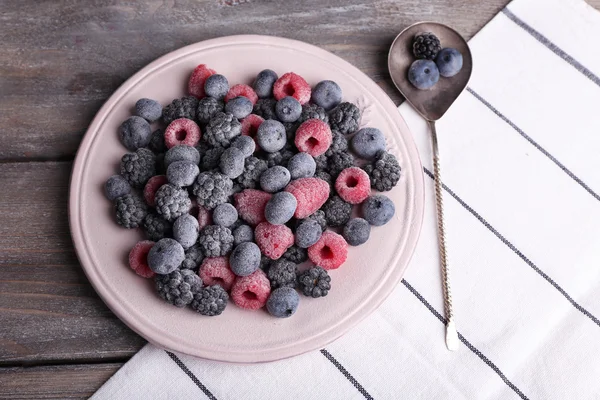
{"type": "Point", "coordinates": [204, 217]}
{"type": "Point", "coordinates": [152, 186]}
{"type": "Point", "coordinates": [250, 204]}
{"type": "Point", "coordinates": [313, 137]}
{"type": "Point", "coordinates": [330, 251]}
{"type": "Point", "coordinates": [294, 85]}
{"type": "Point", "coordinates": [273, 240]}
{"type": "Point", "coordinates": [242, 90]}
{"type": "Point", "coordinates": [310, 193]}
{"type": "Point", "coordinates": [138, 258]}
{"type": "Point", "coordinates": [353, 185]}
{"type": "Point", "coordinates": [250, 125]}
{"type": "Point", "coordinates": [197, 79]}
{"type": "Point", "coordinates": [182, 131]}
{"type": "Point", "coordinates": [216, 271]}
{"type": "Point", "coordinates": [251, 292]}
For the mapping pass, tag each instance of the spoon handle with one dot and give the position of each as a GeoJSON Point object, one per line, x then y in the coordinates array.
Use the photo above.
{"type": "Point", "coordinates": [451, 334]}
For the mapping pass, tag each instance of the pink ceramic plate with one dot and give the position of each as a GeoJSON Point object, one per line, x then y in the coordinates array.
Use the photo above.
{"type": "Point", "coordinates": [359, 286]}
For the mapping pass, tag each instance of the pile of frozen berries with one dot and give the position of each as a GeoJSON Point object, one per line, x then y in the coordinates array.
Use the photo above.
{"type": "Point", "coordinates": [241, 186]}
{"type": "Point", "coordinates": [432, 61]}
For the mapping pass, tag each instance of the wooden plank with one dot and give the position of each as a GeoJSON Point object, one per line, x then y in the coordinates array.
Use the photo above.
{"type": "Point", "coordinates": [48, 309]}
{"type": "Point", "coordinates": [54, 382]}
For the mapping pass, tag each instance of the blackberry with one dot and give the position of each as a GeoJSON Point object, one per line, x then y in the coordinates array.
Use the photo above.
{"type": "Point", "coordinates": [282, 273]}
{"type": "Point", "coordinates": [184, 107]}
{"type": "Point", "coordinates": [212, 188]}
{"type": "Point", "coordinates": [290, 131]}
{"type": "Point", "coordinates": [265, 108]}
{"type": "Point", "coordinates": [265, 263]}
{"type": "Point", "coordinates": [296, 254]}
{"type": "Point", "coordinates": [339, 144]}
{"type": "Point", "coordinates": [314, 282]}
{"type": "Point", "coordinates": [138, 167]}
{"type": "Point", "coordinates": [172, 202]}
{"type": "Point", "coordinates": [281, 157]}
{"type": "Point", "coordinates": [157, 142]}
{"type": "Point", "coordinates": [384, 172]}
{"type": "Point", "coordinates": [161, 168]}
{"type": "Point", "coordinates": [215, 241]}
{"type": "Point", "coordinates": [345, 118]}
{"type": "Point", "coordinates": [339, 162]}
{"type": "Point", "coordinates": [210, 301]}
{"type": "Point", "coordinates": [337, 211]}
{"type": "Point", "coordinates": [253, 169]}
{"type": "Point", "coordinates": [426, 46]}
{"type": "Point", "coordinates": [193, 258]}
{"type": "Point", "coordinates": [221, 129]}
{"type": "Point", "coordinates": [130, 210]}
{"type": "Point", "coordinates": [326, 176]}
{"type": "Point", "coordinates": [156, 227]}
{"type": "Point", "coordinates": [321, 162]}
{"type": "Point", "coordinates": [208, 107]}
{"type": "Point", "coordinates": [318, 216]}
{"type": "Point", "coordinates": [313, 111]}
{"type": "Point", "coordinates": [178, 287]}
{"type": "Point", "coordinates": [203, 147]}
{"type": "Point", "coordinates": [211, 158]}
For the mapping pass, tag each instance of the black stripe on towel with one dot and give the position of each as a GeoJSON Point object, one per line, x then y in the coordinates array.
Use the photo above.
{"type": "Point", "coordinates": [193, 377]}
{"type": "Point", "coordinates": [554, 48]}
{"type": "Point", "coordinates": [534, 143]}
{"type": "Point", "coordinates": [517, 252]}
{"type": "Point", "coordinates": [474, 349]}
{"type": "Point", "coordinates": [345, 372]}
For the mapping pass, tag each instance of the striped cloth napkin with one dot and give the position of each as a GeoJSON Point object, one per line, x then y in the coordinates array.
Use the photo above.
{"type": "Point", "coordinates": [521, 176]}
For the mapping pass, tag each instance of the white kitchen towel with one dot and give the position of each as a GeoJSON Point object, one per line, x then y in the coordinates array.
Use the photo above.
{"type": "Point", "coordinates": [521, 169]}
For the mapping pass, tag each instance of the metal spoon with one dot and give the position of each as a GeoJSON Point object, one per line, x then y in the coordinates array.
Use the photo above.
{"type": "Point", "coordinates": [432, 104]}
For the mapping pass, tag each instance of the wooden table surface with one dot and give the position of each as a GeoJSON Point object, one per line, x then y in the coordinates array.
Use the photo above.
{"type": "Point", "coordinates": [59, 61]}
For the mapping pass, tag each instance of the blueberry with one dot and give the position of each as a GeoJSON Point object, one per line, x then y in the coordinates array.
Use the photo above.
{"type": "Point", "coordinates": [149, 109]}
{"type": "Point", "coordinates": [182, 173]}
{"type": "Point", "coordinates": [356, 231]}
{"type": "Point", "coordinates": [244, 259]}
{"type": "Point", "coordinates": [263, 84]}
{"type": "Point", "coordinates": [308, 233]}
{"type": "Point", "coordinates": [240, 107]}
{"type": "Point", "coordinates": [271, 136]}
{"type": "Point", "coordinates": [165, 256]}
{"type": "Point", "coordinates": [243, 233]}
{"type": "Point", "coordinates": [423, 74]}
{"type": "Point", "coordinates": [280, 208]}
{"type": "Point", "coordinates": [327, 94]}
{"type": "Point", "coordinates": [283, 302]}
{"type": "Point", "coordinates": [185, 230]}
{"type": "Point", "coordinates": [246, 144]}
{"type": "Point", "coordinates": [232, 162]}
{"type": "Point", "coordinates": [116, 186]}
{"type": "Point", "coordinates": [378, 210]}
{"type": "Point", "coordinates": [449, 62]}
{"type": "Point", "coordinates": [135, 132]}
{"type": "Point", "coordinates": [288, 109]}
{"type": "Point", "coordinates": [302, 165]}
{"type": "Point", "coordinates": [225, 215]}
{"type": "Point", "coordinates": [274, 179]}
{"type": "Point", "coordinates": [216, 86]}
{"type": "Point", "coordinates": [368, 142]}
{"type": "Point", "coordinates": [182, 152]}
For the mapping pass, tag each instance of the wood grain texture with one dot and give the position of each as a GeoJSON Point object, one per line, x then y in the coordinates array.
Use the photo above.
{"type": "Point", "coordinates": [54, 382]}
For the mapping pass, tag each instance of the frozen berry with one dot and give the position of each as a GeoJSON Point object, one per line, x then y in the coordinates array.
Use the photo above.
{"type": "Point", "coordinates": [274, 179]}
{"type": "Point", "coordinates": [184, 107]}
{"type": "Point", "coordinates": [156, 227]}
{"type": "Point", "coordinates": [204, 217]}
{"type": "Point", "coordinates": [185, 230]}
{"type": "Point", "coordinates": [308, 233]}
{"type": "Point", "coordinates": [193, 258]}
{"type": "Point", "coordinates": [295, 254]}
{"type": "Point", "coordinates": [116, 186]}
{"type": "Point", "coordinates": [240, 107]}
{"type": "Point", "coordinates": [310, 193]}
{"type": "Point", "coordinates": [313, 111]}
{"type": "Point", "coordinates": [222, 129]}
{"type": "Point", "coordinates": [330, 251]}
{"type": "Point", "coordinates": [263, 84]}
{"type": "Point", "coordinates": [313, 137]}
{"type": "Point", "coordinates": [378, 210]}
{"type": "Point", "coordinates": [130, 210]}
{"type": "Point", "coordinates": [135, 132]}
{"type": "Point", "coordinates": [353, 185]}
{"type": "Point", "coordinates": [338, 162]}
{"type": "Point", "coordinates": [345, 118]}
{"type": "Point", "coordinates": [216, 271]}
{"type": "Point", "coordinates": [215, 241]}
{"type": "Point", "coordinates": [216, 86]}
{"type": "Point", "coordinates": [250, 204]}
{"type": "Point", "coordinates": [282, 273]}
{"type": "Point", "coordinates": [138, 167]}
{"type": "Point", "coordinates": [182, 173]}
{"type": "Point", "coordinates": [182, 131]}
{"type": "Point", "coordinates": [356, 231]}
{"type": "Point", "coordinates": [197, 80]}
{"type": "Point", "coordinates": [280, 157]}
{"type": "Point", "coordinates": [337, 211]}
{"type": "Point", "coordinates": [251, 292]}
{"type": "Point", "coordinates": [210, 159]}
{"type": "Point", "coordinates": [423, 74]}
{"type": "Point", "coordinates": [280, 208]}
{"type": "Point", "coordinates": [271, 136]}
{"type": "Point", "coordinates": [149, 109]}
{"type": "Point", "coordinates": [302, 165]}
{"type": "Point", "coordinates": [339, 144]}
{"type": "Point", "coordinates": [242, 90]}
{"type": "Point", "coordinates": [178, 287]}
{"type": "Point", "coordinates": [246, 145]}
{"type": "Point", "coordinates": [210, 300]}
{"type": "Point", "coordinates": [245, 259]}
{"type": "Point", "coordinates": [182, 152]}
{"type": "Point", "coordinates": [273, 240]}
{"type": "Point", "coordinates": [253, 169]}
{"type": "Point", "coordinates": [265, 108]}
{"type": "Point", "coordinates": [327, 94]}
{"type": "Point", "coordinates": [208, 107]}
{"type": "Point", "coordinates": [291, 84]}
{"type": "Point", "coordinates": [314, 282]}
{"type": "Point", "coordinates": [283, 302]}
{"type": "Point", "coordinates": [157, 141]}
{"type": "Point", "coordinates": [165, 256]}
{"type": "Point", "coordinates": [232, 162]}
{"type": "Point", "coordinates": [449, 62]}
{"type": "Point", "coordinates": [250, 125]}
{"type": "Point", "coordinates": [138, 258]}
{"type": "Point", "coordinates": [172, 201]}
{"type": "Point", "coordinates": [225, 215]}
{"type": "Point", "coordinates": [288, 109]}
{"type": "Point", "coordinates": [426, 45]}
{"type": "Point", "coordinates": [243, 233]}
{"type": "Point", "coordinates": [384, 172]}
{"type": "Point", "coordinates": [212, 188]}
{"type": "Point", "coordinates": [368, 142]}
